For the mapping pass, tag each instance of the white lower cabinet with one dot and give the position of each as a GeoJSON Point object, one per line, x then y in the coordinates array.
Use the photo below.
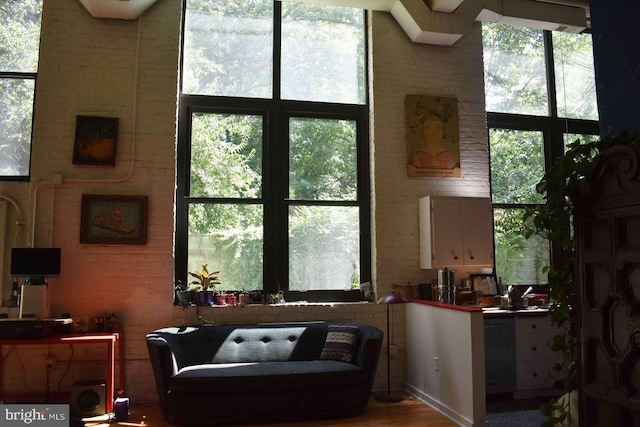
{"type": "Point", "coordinates": [534, 357]}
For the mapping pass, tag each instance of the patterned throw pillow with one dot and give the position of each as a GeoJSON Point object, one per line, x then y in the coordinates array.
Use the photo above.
{"type": "Point", "coordinates": [340, 343]}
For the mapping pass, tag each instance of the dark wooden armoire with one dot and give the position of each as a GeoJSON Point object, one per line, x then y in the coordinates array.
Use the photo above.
{"type": "Point", "coordinates": [607, 227]}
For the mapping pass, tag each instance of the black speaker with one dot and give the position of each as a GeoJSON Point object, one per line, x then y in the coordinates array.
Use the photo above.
{"type": "Point", "coordinates": [88, 398]}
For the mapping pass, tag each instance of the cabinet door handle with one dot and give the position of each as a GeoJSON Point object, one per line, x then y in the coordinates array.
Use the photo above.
{"type": "Point", "coordinates": [533, 326]}
{"type": "Point", "coordinates": [533, 348]}
{"type": "Point", "coordinates": [535, 375]}
{"type": "Point", "coordinates": [472, 257]}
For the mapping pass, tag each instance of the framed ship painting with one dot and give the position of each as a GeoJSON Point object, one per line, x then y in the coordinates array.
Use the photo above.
{"type": "Point", "coordinates": [108, 219]}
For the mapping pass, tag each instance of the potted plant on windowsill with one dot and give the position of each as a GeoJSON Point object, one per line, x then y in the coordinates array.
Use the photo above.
{"type": "Point", "coordinates": [184, 294]}
{"type": "Point", "coordinates": [205, 284]}
{"type": "Point", "coordinates": [244, 297]}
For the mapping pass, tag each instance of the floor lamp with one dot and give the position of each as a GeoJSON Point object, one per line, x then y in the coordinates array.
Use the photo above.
{"type": "Point", "coordinates": [392, 298]}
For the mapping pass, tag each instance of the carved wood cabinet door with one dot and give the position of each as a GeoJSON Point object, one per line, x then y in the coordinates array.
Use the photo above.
{"type": "Point", "coordinates": [607, 227]}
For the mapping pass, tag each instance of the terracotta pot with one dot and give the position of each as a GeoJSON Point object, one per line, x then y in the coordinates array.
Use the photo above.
{"type": "Point", "coordinates": [221, 299]}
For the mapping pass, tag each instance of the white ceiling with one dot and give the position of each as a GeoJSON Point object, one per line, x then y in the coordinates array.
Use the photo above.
{"type": "Point", "coordinates": [117, 9]}
{"type": "Point", "coordinates": [439, 22]}
{"type": "Point", "coordinates": [443, 22]}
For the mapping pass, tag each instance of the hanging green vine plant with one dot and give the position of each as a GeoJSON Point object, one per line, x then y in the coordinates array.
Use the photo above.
{"type": "Point", "coordinates": [566, 181]}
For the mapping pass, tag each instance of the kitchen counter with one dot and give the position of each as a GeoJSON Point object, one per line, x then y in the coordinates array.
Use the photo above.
{"type": "Point", "coordinates": [445, 359]}
{"type": "Point", "coordinates": [488, 312]}
{"type": "Point", "coordinates": [467, 308]}
{"type": "Point", "coordinates": [497, 312]}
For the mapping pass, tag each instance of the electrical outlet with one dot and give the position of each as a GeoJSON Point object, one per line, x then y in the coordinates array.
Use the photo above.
{"type": "Point", "coordinates": [437, 363]}
{"type": "Point", "coordinates": [393, 350]}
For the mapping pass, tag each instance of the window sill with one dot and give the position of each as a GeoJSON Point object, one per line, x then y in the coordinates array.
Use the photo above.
{"type": "Point", "coordinates": [284, 305]}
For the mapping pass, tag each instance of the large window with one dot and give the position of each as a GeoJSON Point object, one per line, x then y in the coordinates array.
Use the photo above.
{"type": "Point", "coordinates": [273, 175]}
{"type": "Point", "coordinates": [19, 47]}
{"type": "Point", "coordinates": [540, 95]}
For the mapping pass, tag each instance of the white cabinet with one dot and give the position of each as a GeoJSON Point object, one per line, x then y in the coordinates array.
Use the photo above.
{"type": "Point", "coordinates": [455, 232]}
{"type": "Point", "coordinates": [535, 359]}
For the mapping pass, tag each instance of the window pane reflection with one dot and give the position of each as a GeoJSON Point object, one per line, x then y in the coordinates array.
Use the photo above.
{"type": "Point", "coordinates": [228, 238]}
{"type": "Point", "coordinates": [324, 247]}
{"type": "Point", "coordinates": [322, 53]}
{"type": "Point", "coordinates": [517, 165]}
{"type": "Point", "coordinates": [519, 260]}
{"type": "Point", "coordinates": [228, 48]}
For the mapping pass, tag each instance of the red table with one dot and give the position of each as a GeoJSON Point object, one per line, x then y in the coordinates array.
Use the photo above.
{"type": "Point", "coordinates": [108, 338]}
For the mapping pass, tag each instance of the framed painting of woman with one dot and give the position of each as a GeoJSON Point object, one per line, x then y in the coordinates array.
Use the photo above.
{"type": "Point", "coordinates": [433, 142]}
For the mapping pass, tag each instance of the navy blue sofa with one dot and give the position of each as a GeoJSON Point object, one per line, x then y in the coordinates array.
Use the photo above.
{"type": "Point", "coordinates": [235, 374]}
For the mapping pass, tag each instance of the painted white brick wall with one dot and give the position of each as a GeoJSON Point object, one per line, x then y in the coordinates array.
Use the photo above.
{"type": "Point", "coordinates": [88, 66]}
{"type": "Point", "coordinates": [401, 67]}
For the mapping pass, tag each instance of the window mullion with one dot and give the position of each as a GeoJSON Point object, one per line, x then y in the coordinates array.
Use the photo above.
{"type": "Point", "coordinates": [551, 75]}
{"type": "Point", "coordinates": [182, 205]}
{"type": "Point", "coordinates": [277, 50]}
{"type": "Point", "coordinates": [274, 173]}
{"type": "Point", "coordinates": [275, 210]}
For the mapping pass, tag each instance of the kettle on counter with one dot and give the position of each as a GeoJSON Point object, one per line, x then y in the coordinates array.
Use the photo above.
{"type": "Point", "coordinates": [515, 297]}
{"type": "Point", "coordinates": [446, 286]}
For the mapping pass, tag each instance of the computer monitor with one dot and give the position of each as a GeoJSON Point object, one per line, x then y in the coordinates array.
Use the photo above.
{"type": "Point", "coordinates": [35, 263]}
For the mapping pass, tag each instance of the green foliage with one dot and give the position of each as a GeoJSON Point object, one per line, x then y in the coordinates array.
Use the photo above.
{"type": "Point", "coordinates": [566, 181]}
{"type": "Point", "coordinates": [516, 156]}
{"type": "Point", "coordinates": [20, 35]}
{"type": "Point", "coordinates": [205, 280]}
{"type": "Point", "coordinates": [19, 47]}
{"type": "Point", "coordinates": [243, 183]}
{"type": "Point", "coordinates": [322, 159]}
{"type": "Point", "coordinates": [229, 52]}
{"type": "Point", "coordinates": [515, 76]}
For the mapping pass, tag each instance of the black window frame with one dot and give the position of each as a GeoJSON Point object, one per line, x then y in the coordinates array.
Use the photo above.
{"type": "Point", "coordinates": [25, 75]}
{"type": "Point", "coordinates": [276, 113]}
{"type": "Point", "coordinates": [552, 127]}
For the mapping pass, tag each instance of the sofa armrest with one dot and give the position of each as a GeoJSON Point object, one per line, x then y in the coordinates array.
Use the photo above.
{"type": "Point", "coordinates": [369, 346]}
{"type": "Point", "coordinates": [163, 364]}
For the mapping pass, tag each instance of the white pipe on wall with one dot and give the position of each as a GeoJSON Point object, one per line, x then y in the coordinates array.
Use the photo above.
{"type": "Point", "coordinates": [16, 206]}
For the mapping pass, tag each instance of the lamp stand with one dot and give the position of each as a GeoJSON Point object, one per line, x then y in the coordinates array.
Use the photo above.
{"type": "Point", "coordinates": [388, 397]}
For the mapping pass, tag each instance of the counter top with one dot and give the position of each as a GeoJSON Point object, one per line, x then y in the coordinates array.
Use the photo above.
{"type": "Point", "coordinates": [488, 312]}
{"type": "Point", "coordinates": [467, 308]}
{"type": "Point", "coordinates": [491, 312]}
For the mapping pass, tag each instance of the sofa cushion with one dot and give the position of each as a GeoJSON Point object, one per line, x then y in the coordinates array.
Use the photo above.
{"type": "Point", "coordinates": [247, 343]}
{"type": "Point", "coordinates": [259, 345]}
{"type": "Point", "coordinates": [265, 376]}
{"type": "Point", "coordinates": [341, 343]}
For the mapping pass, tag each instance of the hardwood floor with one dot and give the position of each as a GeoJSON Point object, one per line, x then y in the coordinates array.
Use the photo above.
{"type": "Point", "coordinates": [407, 413]}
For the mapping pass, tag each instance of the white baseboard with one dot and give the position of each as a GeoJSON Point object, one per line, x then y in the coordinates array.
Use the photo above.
{"type": "Point", "coordinates": [442, 408]}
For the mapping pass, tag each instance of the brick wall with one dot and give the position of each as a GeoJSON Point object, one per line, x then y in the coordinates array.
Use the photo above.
{"type": "Point", "coordinates": [128, 69]}
{"type": "Point", "coordinates": [401, 67]}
